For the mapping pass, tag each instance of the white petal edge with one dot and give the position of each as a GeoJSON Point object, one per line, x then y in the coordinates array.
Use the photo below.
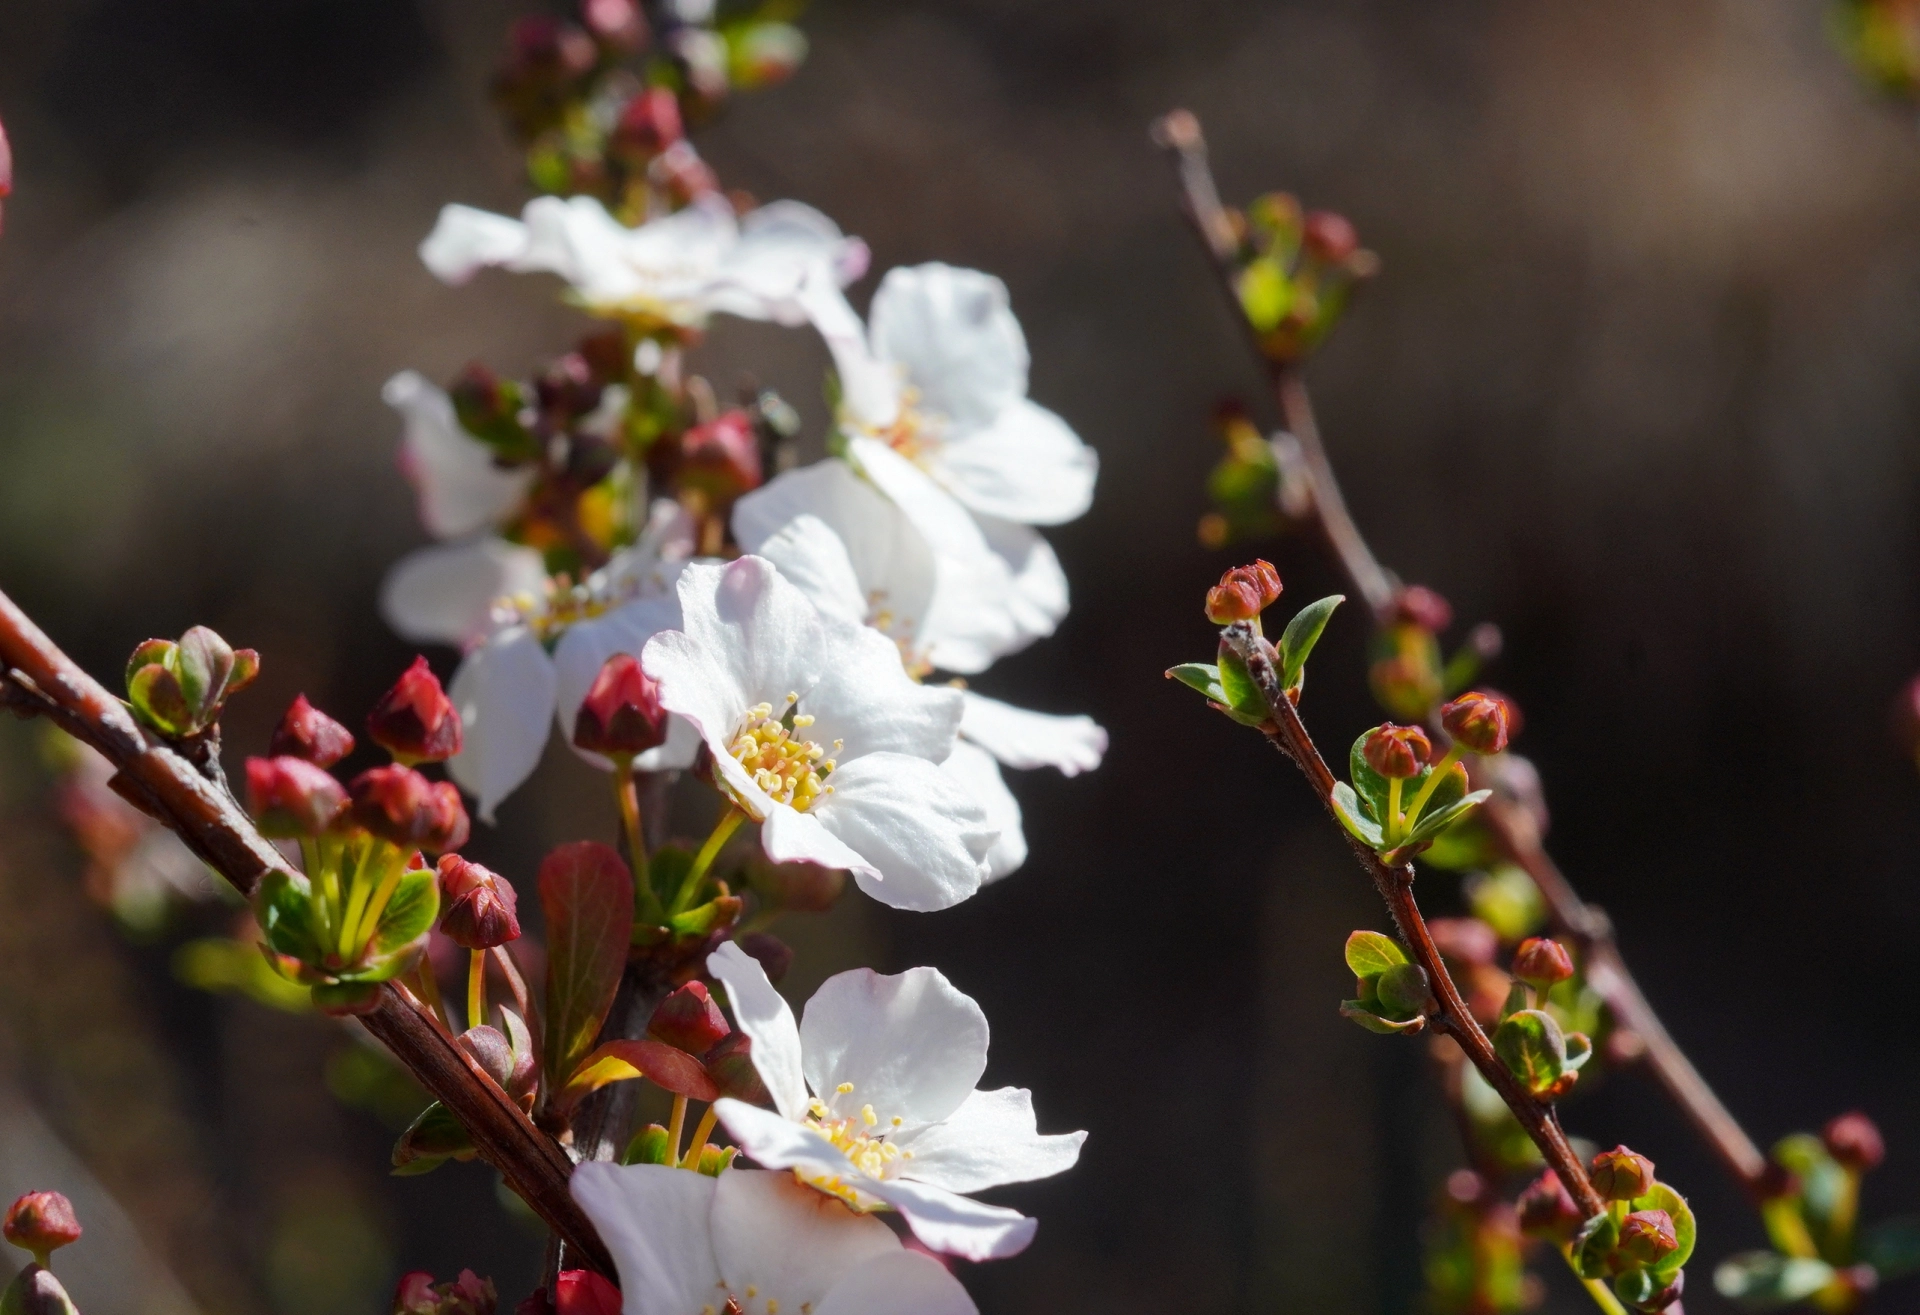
{"type": "Point", "coordinates": [657, 1222]}
{"type": "Point", "coordinates": [460, 489]}
{"type": "Point", "coordinates": [977, 772]}
{"type": "Point", "coordinates": [444, 593]}
{"type": "Point", "coordinates": [901, 1283]}
{"type": "Point", "coordinates": [1024, 465]}
{"type": "Point", "coordinates": [990, 1140]}
{"type": "Point", "coordinates": [585, 648]}
{"type": "Point", "coordinates": [1020, 738]}
{"type": "Point", "coordinates": [957, 1225]}
{"type": "Point", "coordinates": [922, 838]}
{"type": "Point", "coordinates": [761, 1012]}
{"type": "Point", "coordinates": [784, 1246]}
{"type": "Point", "coordinates": [465, 240]}
{"type": "Point", "coordinates": [954, 332]}
{"type": "Point", "coordinates": [504, 693]}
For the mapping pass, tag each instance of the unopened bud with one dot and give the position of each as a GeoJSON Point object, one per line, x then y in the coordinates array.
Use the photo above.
{"type": "Point", "coordinates": [649, 124]}
{"type": "Point", "coordinates": [1483, 723]}
{"type": "Point", "coordinates": [1546, 1209]}
{"type": "Point", "coordinates": [1647, 1236]}
{"type": "Point", "coordinates": [35, 1291]}
{"type": "Point", "coordinates": [689, 1020]}
{"type": "Point", "coordinates": [481, 906]}
{"type": "Point", "coordinates": [415, 721]}
{"type": "Point", "coordinates": [291, 797]}
{"type": "Point", "coordinates": [774, 954]}
{"type": "Point", "coordinates": [621, 715]}
{"type": "Point", "coordinates": [616, 24]}
{"type": "Point", "coordinates": [583, 1292]}
{"type": "Point", "coordinates": [398, 804]}
{"type": "Point", "coordinates": [1853, 1140]}
{"type": "Point", "coordinates": [1243, 593]}
{"type": "Point", "coordinates": [730, 1065]}
{"type": "Point", "coordinates": [310, 734]}
{"type": "Point", "coordinates": [41, 1222]}
{"type": "Point", "coordinates": [1620, 1174]}
{"type": "Point", "coordinates": [1465, 940]}
{"type": "Point", "coordinates": [1328, 237]}
{"type": "Point", "coordinates": [684, 175]}
{"type": "Point", "coordinates": [720, 458]}
{"type": "Point", "coordinates": [1396, 752]}
{"type": "Point", "coordinates": [418, 1294]}
{"type": "Point", "coordinates": [1542, 963]}
{"type": "Point", "coordinates": [567, 389]}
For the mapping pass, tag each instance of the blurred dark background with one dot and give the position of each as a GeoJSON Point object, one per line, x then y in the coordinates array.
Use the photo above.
{"type": "Point", "coordinates": [1639, 382]}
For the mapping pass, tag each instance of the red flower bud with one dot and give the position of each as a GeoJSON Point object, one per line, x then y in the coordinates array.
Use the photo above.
{"type": "Point", "coordinates": [1483, 723]}
{"type": "Point", "coordinates": [689, 1020]}
{"type": "Point", "coordinates": [1853, 1140]}
{"type": "Point", "coordinates": [1647, 1236]}
{"type": "Point", "coordinates": [1417, 605]}
{"type": "Point", "coordinates": [1621, 1175]}
{"type": "Point", "coordinates": [1465, 940]}
{"type": "Point", "coordinates": [730, 1065]}
{"type": "Point", "coordinates": [400, 805]}
{"type": "Point", "coordinates": [414, 1294]}
{"type": "Point", "coordinates": [615, 23]}
{"type": "Point", "coordinates": [1540, 963]}
{"type": "Point", "coordinates": [415, 721]}
{"type": "Point", "coordinates": [1328, 237]}
{"type": "Point", "coordinates": [310, 734]}
{"type": "Point", "coordinates": [418, 1294]}
{"type": "Point", "coordinates": [1243, 593]}
{"type": "Point", "coordinates": [41, 1222]}
{"type": "Point", "coordinates": [481, 906]}
{"type": "Point", "coordinates": [1547, 1210]}
{"type": "Point", "coordinates": [583, 1292]}
{"type": "Point", "coordinates": [720, 459]}
{"type": "Point", "coordinates": [1396, 752]}
{"type": "Point", "coordinates": [650, 123]}
{"type": "Point", "coordinates": [621, 716]}
{"type": "Point", "coordinates": [292, 797]}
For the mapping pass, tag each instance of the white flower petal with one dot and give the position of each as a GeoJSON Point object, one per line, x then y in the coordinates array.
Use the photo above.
{"type": "Point", "coordinates": [866, 700]}
{"type": "Point", "coordinates": [956, 1225]}
{"type": "Point", "coordinates": [978, 774]}
{"type": "Point", "coordinates": [780, 245]}
{"type": "Point", "coordinates": [503, 692]}
{"type": "Point", "coordinates": [790, 836]}
{"type": "Point", "coordinates": [444, 593]}
{"type": "Point", "coordinates": [923, 835]}
{"type": "Point", "coordinates": [465, 240]}
{"type": "Point", "coordinates": [910, 1045]}
{"type": "Point", "coordinates": [1020, 738]}
{"type": "Point", "coordinates": [1039, 597]}
{"type": "Point", "coordinates": [955, 333]}
{"type": "Point", "coordinates": [760, 1012]}
{"type": "Point", "coordinates": [811, 555]}
{"type": "Point", "coordinates": [774, 1142]}
{"type": "Point", "coordinates": [585, 648]}
{"type": "Point", "coordinates": [899, 1283]}
{"type": "Point", "coordinates": [869, 389]}
{"type": "Point", "coordinates": [657, 1222]}
{"type": "Point", "coordinates": [991, 1139]}
{"type": "Point", "coordinates": [1024, 464]}
{"type": "Point", "coordinates": [787, 1244]}
{"type": "Point", "coordinates": [460, 488]}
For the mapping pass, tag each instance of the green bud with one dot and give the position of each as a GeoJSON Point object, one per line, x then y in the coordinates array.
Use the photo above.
{"type": "Point", "coordinates": [649, 1146]}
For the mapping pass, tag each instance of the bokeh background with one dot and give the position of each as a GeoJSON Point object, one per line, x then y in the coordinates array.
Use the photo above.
{"type": "Point", "coordinates": [1640, 382]}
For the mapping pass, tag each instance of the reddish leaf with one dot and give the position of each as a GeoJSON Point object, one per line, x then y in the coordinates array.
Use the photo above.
{"type": "Point", "coordinates": [587, 894]}
{"type": "Point", "coordinates": [659, 1063]}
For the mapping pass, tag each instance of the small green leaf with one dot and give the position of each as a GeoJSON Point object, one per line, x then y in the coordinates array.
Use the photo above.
{"type": "Point", "coordinates": [1369, 784]}
{"type": "Point", "coordinates": [221, 963]}
{"type": "Point", "coordinates": [410, 913]}
{"type": "Point", "coordinates": [1373, 1022]}
{"type": "Point", "coordinates": [1435, 820]}
{"type": "Point", "coordinates": [151, 653]}
{"type": "Point", "coordinates": [649, 1146]}
{"type": "Point", "coordinates": [155, 694]}
{"type": "Point", "coordinates": [1593, 1244]}
{"type": "Point", "coordinates": [1766, 1280]}
{"type": "Point", "coordinates": [715, 1160]}
{"type": "Point", "coordinates": [1265, 294]}
{"type": "Point", "coordinates": [586, 893]}
{"type": "Point", "coordinates": [283, 905]}
{"type": "Point", "coordinates": [430, 1141]}
{"type": "Point", "coordinates": [1351, 812]}
{"type": "Point", "coordinates": [1517, 999]}
{"type": "Point", "coordinates": [1893, 1247]}
{"type": "Point", "coordinates": [1369, 954]}
{"type": "Point", "coordinates": [1403, 989]}
{"type": "Point", "coordinates": [1301, 634]}
{"type": "Point", "coordinates": [1663, 1197]}
{"type": "Point", "coordinates": [1203, 676]}
{"type": "Point", "coordinates": [1242, 695]}
{"type": "Point", "coordinates": [202, 664]}
{"type": "Point", "coordinates": [1636, 1286]}
{"type": "Point", "coordinates": [702, 920]}
{"type": "Point", "coordinates": [1531, 1045]}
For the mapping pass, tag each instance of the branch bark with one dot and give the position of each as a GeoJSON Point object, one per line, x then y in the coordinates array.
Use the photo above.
{"type": "Point", "coordinates": [1588, 927]}
{"type": "Point", "coordinates": [38, 679]}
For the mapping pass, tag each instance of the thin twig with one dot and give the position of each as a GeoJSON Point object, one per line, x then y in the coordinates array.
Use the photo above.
{"type": "Point", "coordinates": [36, 678]}
{"type": "Point", "coordinates": [1395, 885]}
{"type": "Point", "coordinates": [1179, 133]}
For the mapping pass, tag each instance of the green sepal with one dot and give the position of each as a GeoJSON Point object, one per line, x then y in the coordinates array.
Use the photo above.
{"type": "Point", "coordinates": [1372, 787]}
{"type": "Point", "coordinates": [649, 1146]}
{"type": "Point", "coordinates": [665, 871]}
{"type": "Point", "coordinates": [283, 906]}
{"type": "Point", "coordinates": [1534, 1050]}
{"type": "Point", "coordinates": [1593, 1244]}
{"type": "Point", "coordinates": [409, 914]}
{"type": "Point", "coordinates": [1579, 1050]}
{"type": "Point", "coordinates": [1264, 292]}
{"type": "Point", "coordinates": [1636, 1286]}
{"type": "Point", "coordinates": [716, 1160]}
{"type": "Point", "coordinates": [1203, 676]}
{"type": "Point", "coordinates": [430, 1141]}
{"type": "Point", "coordinates": [1373, 1022]}
{"type": "Point", "coordinates": [699, 922]}
{"type": "Point", "coordinates": [1297, 640]}
{"type": "Point", "coordinates": [1350, 809]}
{"type": "Point", "coordinates": [1662, 1197]}
{"type": "Point", "coordinates": [1433, 821]}
{"type": "Point", "coordinates": [1767, 1280]}
{"type": "Point", "coordinates": [1893, 1247]}
{"type": "Point", "coordinates": [1403, 989]}
{"type": "Point", "coordinates": [1369, 954]}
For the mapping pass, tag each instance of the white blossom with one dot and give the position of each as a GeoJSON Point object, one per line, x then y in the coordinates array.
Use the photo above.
{"type": "Point", "coordinates": [875, 1103]}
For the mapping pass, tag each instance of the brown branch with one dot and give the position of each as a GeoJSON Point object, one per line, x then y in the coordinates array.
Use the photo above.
{"type": "Point", "coordinates": [1179, 134]}
{"type": "Point", "coordinates": [1395, 885]}
{"type": "Point", "coordinates": [36, 678]}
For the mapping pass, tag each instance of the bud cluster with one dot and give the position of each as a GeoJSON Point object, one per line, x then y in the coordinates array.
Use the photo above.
{"type": "Point", "coordinates": [1296, 271]}
{"type": "Point", "coordinates": [180, 687]}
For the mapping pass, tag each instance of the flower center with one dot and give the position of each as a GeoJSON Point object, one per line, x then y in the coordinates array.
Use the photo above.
{"type": "Point", "coordinates": [560, 604]}
{"type": "Point", "coordinates": [790, 769]}
{"type": "Point", "coordinates": [902, 631]}
{"type": "Point", "coordinates": [863, 1139]}
{"type": "Point", "coordinates": [915, 433]}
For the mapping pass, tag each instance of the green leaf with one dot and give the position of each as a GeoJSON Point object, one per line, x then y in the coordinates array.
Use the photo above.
{"type": "Point", "coordinates": [1531, 1045]}
{"type": "Point", "coordinates": [1243, 696]}
{"type": "Point", "coordinates": [1265, 294]}
{"type": "Point", "coordinates": [1893, 1247]}
{"type": "Point", "coordinates": [283, 905]}
{"type": "Point", "coordinates": [667, 869]}
{"type": "Point", "coordinates": [1403, 989]}
{"type": "Point", "coordinates": [1203, 676]}
{"type": "Point", "coordinates": [1823, 1183]}
{"type": "Point", "coordinates": [410, 913]}
{"type": "Point", "coordinates": [1359, 1013]}
{"type": "Point", "coordinates": [202, 664]}
{"type": "Point", "coordinates": [1369, 954]}
{"type": "Point", "coordinates": [151, 653]}
{"type": "Point", "coordinates": [1506, 899]}
{"type": "Point", "coordinates": [1593, 1244]}
{"type": "Point", "coordinates": [1766, 1280]}
{"type": "Point", "coordinates": [1301, 634]}
{"type": "Point", "coordinates": [1462, 847]}
{"type": "Point", "coordinates": [155, 695]}
{"type": "Point", "coordinates": [430, 1141]}
{"type": "Point", "coordinates": [1662, 1197]}
{"type": "Point", "coordinates": [1636, 1286]}
{"type": "Point", "coordinates": [586, 893]}
{"type": "Point", "coordinates": [221, 963]}
{"type": "Point", "coordinates": [1433, 821]}
{"type": "Point", "coordinates": [1351, 812]}
{"type": "Point", "coordinates": [1370, 785]}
